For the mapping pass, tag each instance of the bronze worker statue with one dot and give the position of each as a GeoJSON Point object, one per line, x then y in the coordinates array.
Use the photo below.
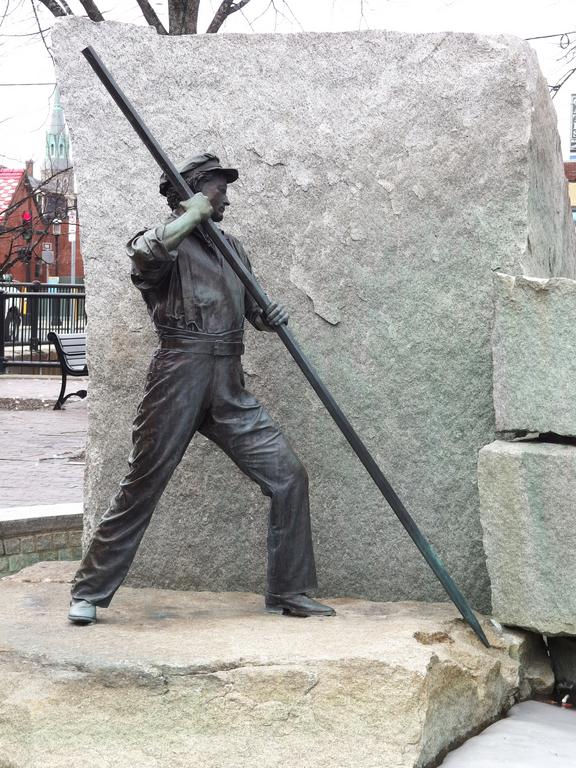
{"type": "Point", "coordinates": [195, 383]}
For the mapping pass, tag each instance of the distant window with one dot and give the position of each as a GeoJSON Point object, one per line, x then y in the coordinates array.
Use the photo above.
{"type": "Point", "coordinates": [62, 149]}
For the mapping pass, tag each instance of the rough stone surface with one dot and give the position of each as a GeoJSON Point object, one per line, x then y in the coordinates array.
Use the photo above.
{"type": "Point", "coordinates": [534, 351]}
{"type": "Point", "coordinates": [176, 679]}
{"type": "Point", "coordinates": [383, 177]}
{"type": "Point", "coordinates": [527, 492]}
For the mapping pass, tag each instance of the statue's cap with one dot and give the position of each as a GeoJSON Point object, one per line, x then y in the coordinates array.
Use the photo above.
{"type": "Point", "coordinates": [197, 165]}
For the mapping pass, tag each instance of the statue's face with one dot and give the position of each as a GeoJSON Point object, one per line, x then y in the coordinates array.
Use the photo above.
{"type": "Point", "coordinates": [215, 190]}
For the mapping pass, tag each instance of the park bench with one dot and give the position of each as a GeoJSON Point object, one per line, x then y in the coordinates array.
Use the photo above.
{"type": "Point", "coordinates": [71, 351]}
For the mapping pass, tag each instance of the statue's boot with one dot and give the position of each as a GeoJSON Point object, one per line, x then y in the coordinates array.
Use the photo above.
{"type": "Point", "coordinates": [297, 605]}
{"type": "Point", "coordinates": [82, 612]}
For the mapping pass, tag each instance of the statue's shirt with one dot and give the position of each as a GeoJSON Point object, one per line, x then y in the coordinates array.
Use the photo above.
{"type": "Point", "coordinates": [192, 287]}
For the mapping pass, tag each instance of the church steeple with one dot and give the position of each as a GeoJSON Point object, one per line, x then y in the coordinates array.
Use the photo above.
{"type": "Point", "coordinates": [57, 157]}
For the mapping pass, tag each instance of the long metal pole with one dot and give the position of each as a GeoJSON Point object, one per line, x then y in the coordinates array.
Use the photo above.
{"type": "Point", "coordinates": [290, 343]}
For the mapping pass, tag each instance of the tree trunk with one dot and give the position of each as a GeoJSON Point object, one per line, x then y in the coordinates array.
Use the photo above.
{"type": "Point", "coordinates": [183, 16]}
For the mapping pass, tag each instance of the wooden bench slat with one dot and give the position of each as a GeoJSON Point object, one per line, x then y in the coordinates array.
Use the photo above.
{"type": "Point", "coordinates": [66, 336]}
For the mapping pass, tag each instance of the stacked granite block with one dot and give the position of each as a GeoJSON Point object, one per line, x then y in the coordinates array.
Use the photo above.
{"type": "Point", "coordinates": [528, 485]}
{"type": "Point", "coordinates": [534, 347]}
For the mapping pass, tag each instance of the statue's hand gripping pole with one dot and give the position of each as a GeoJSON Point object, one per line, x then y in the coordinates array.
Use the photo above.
{"type": "Point", "coordinates": [263, 301]}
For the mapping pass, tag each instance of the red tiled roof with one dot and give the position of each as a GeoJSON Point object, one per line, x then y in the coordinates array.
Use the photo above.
{"type": "Point", "coordinates": [9, 180]}
{"type": "Point", "coordinates": [570, 171]}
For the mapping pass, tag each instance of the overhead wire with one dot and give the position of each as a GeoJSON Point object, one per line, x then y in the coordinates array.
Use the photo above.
{"type": "Point", "coordinates": [565, 44]}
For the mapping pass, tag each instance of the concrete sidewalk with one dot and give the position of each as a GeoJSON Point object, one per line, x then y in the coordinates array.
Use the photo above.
{"type": "Point", "coordinates": [42, 450]}
{"type": "Point", "coordinates": [533, 735]}
{"type": "Point", "coordinates": [34, 392]}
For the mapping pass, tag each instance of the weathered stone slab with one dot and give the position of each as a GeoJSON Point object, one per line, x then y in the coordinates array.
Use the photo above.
{"type": "Point", "coordinates": [383, 177]}
{"type": "Point", "coordinates": [527, 492]}
{"type": "Point", "coordinates": [177, 679]}
{"type": "Point", "coordinates": [534, 351]}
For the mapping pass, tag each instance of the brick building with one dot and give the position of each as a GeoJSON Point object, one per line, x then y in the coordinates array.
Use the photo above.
{"type": "Point", "coordinates": [570, 173]}
{"type": "Point", "coordinates": [39, 229]}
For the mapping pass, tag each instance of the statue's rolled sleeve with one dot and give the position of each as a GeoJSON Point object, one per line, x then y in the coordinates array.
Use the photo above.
{"type": "Point", "coordinates": [151, 260]}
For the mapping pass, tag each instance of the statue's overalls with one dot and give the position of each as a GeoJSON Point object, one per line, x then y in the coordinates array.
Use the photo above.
{"type": "Point", "coordinates": [195, 383]}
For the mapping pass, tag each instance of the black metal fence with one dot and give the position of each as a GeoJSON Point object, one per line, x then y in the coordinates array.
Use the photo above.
{"type": "Point", "coordinates": [29, 311]}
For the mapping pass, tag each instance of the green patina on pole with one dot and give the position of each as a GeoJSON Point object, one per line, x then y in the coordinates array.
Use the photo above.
{"type": "Point", "coordinates": [290, 343]}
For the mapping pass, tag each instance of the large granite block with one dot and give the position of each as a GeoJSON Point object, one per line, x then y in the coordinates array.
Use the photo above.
{"type": "Point", "coordinates": [383, 177]}
{"type": "Point", "coordinates": [174, 679]}
{"type": "Point", "coordinates": [527, 492]}
{"type": "Point", "coordinates": [534, 351]}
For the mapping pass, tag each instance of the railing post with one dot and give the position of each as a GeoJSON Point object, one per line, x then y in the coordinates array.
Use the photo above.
{"type": "Point", "coordinates": [3, 360]}
{"type": "Point", "coordinates": [55, 319]}
{"type": "Point", "coordinates": [34, 342]}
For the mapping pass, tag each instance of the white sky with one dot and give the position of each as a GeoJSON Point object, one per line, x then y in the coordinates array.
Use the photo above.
{"type": "Point", "coordinates": [24, 58]}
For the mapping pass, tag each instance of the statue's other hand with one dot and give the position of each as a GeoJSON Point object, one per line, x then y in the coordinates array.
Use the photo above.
{"type": "Point", "coordinates": [275, 314]}
{"type": "Point", "coordinates": [199, 205]}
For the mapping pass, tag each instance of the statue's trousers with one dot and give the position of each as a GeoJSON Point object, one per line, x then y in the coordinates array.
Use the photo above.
{"type": "Point", "coordinates": [198, 386]}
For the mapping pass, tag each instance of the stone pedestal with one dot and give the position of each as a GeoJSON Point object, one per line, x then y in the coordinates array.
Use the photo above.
{"type": "Point", "coordinates": [383, 178]}
{"type": "Point", "coordinates": [527, 492]}
{"type": "Point", "coordinates": [179, 679]}
{"type": "Point", "coordinates": [534, 351]}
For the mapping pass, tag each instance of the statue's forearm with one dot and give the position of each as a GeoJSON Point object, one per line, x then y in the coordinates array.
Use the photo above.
{"type": "Point", "coordinates": [196, 210]}
{"type": "Point", "coordinates": [175, 231]}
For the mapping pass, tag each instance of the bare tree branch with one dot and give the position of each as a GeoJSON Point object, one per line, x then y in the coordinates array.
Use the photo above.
{"type": "Point", "coordinates": [227, 8]}
{"type": "Point", "coordinates": [151, 17]}
{"type": "Point", "coordinates": [54, 7]}
{"type": "Point", "coordinates": [183, 16]}
{"type": "Point", "coordinates": [362, 16]}
{"type": "Point", "coordinates": [40, 30]}
{"type": "Point", "coordinates": [92, 10]}
{"type": "Point", "coordinates": [5, 12]}
{"type": "Point", "coordinates": [292, 14]}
